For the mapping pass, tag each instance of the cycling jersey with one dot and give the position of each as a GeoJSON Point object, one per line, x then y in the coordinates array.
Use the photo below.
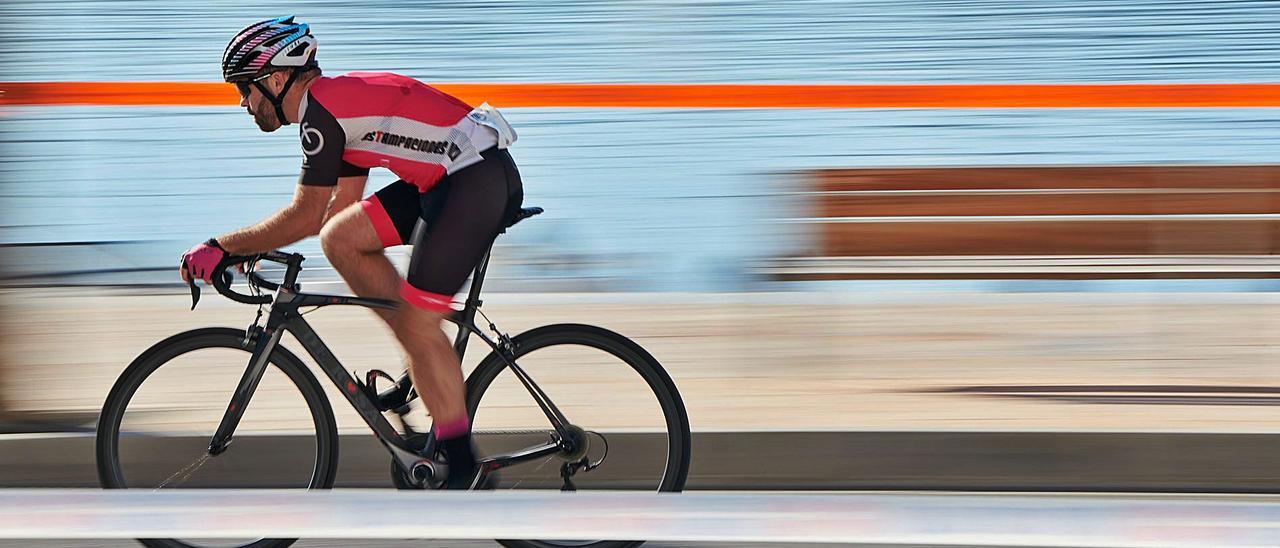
{"type": "Point", "coordinates": [360, 120]}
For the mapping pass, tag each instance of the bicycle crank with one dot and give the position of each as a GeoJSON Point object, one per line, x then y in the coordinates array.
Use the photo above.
{"type": "Point", "coordinates": [425, 474]}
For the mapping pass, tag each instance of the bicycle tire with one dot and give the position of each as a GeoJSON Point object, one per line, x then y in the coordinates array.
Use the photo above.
{"type": "Point", "coordinates": [677, 419]}
{"type": "Point", "coordinates": [110, 473]}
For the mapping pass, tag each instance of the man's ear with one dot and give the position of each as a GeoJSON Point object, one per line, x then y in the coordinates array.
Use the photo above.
{"type": "Point", "coordinates": [277, 79]}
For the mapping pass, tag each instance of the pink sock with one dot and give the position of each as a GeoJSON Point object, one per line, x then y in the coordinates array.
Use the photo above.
{"type": "Point", "coordinates": [455, 429]}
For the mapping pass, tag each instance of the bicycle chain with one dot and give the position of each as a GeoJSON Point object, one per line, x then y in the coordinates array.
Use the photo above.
{"type": "Point", "coordinates": [510, 432]}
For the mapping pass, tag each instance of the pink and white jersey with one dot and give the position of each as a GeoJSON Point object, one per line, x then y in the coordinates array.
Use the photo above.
{"type": "Point", "coordinates": [361, 120]}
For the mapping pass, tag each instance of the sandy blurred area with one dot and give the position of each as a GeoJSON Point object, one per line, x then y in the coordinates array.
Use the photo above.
{"type": "Point", "coordinates": [780, 361]}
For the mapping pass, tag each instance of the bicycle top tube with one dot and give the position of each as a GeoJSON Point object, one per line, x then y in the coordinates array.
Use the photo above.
{"type": "Point", "coordinates": [296, 299]}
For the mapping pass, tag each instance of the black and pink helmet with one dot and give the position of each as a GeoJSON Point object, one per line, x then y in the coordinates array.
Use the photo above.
{"type": "Point", "coordinates": [272, 44]}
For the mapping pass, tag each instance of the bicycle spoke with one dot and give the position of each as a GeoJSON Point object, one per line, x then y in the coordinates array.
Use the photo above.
{"type": "Point", "coordinates": [185, 472]}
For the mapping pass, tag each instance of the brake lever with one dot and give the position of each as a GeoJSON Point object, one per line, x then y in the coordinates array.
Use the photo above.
{"type": "Point", "coordinates": [195, 292]}
{"type": "Point", "coordinates": [227, 277]}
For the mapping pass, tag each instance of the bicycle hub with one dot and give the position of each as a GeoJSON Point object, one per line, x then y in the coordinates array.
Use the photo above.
{"type": "Point", "coordinates": [576, 446]}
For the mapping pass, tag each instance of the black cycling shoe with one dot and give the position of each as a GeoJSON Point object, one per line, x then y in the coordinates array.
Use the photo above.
{"type": "Point", "coordinates": [464, 473]}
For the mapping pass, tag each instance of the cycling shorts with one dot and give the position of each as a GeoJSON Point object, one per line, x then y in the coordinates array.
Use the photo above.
{"type": "Point", "coordinates": [450, 226]}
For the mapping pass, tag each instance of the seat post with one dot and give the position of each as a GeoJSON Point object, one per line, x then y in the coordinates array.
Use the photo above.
{"type": "Point", "coordinates": [472, 303]}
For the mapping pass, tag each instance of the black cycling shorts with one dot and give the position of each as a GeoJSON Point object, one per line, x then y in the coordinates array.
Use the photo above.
{"type": "Point", "coordinates": [450, 226]}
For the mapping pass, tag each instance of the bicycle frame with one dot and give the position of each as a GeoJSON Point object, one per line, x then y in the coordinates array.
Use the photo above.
{"type": "Point", "coordinates": [284, 317]}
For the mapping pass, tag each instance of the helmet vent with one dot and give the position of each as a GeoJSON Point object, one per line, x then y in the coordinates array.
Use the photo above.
{"type": "Point", "coordinates": [273, 40]}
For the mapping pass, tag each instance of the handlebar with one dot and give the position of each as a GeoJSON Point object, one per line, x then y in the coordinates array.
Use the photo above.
{"type": "Point", "coordinates": [222, 281]}
{"type": "Point", "coordinates": [222, 278]}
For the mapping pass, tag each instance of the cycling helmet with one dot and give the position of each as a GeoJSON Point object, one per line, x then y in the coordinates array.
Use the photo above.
{"type": "Point", "coordinates": [265, 47]}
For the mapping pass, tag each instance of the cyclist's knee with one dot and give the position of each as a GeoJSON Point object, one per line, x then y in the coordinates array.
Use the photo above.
{"type": "Point", "coordinates": [348, 232]}
{"type": "Point", "coordinates": [330, 238]}
{"type": "Point", "coordinates": [335, 245]}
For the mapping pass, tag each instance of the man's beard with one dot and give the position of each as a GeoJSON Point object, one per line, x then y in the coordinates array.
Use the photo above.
{"type": "Point", "coordinates": [265, 116]}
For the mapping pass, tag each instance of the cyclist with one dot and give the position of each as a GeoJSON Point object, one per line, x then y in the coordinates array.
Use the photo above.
{"type": "Point", "coordinates": [458, 187]}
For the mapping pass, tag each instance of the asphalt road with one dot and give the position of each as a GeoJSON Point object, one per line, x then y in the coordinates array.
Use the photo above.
{"type": "Point", "coordinates": [971, 461]}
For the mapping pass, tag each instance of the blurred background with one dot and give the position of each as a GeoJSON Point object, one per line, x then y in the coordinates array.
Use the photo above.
{"type": "Point", "coordinates": [985, 298]}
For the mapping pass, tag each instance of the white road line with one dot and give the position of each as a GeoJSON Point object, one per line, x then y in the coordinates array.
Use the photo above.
{"type": "Point", "coordinates": [946, 519]}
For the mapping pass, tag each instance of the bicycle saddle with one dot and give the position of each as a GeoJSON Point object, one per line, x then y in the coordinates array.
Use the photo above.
{"type": "Point", "coordinates": [525, 213]}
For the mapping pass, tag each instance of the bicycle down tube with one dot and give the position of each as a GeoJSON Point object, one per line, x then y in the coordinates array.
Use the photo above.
{"type": "Point", "coordinates": [284, 317]}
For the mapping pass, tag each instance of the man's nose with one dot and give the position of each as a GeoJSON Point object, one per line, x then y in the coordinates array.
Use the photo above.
{"type": "Point", "coordinates": [244, 101]}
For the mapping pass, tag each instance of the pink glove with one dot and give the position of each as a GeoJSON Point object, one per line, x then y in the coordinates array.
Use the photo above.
{"type": "Point", "coordinates": [201, 259]}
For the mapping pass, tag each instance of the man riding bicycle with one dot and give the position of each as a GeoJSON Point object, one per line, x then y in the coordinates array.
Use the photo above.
{"type": "Point", "coordinates": [458, 187]}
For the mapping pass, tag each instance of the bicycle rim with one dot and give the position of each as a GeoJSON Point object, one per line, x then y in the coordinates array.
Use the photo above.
{"type": "Point", "coordinates": [157, 423]}
{"type": "Point", "coordinates": [604, 384]}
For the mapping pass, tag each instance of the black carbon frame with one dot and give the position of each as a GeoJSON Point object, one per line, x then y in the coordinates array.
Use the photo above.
{"type": "Point", "coordinates": [285, 317]}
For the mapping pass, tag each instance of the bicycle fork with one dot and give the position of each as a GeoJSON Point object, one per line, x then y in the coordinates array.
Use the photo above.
{"type": "Point", "coordinates": [263, 346]}
{"type": "Point", "coordinates": [264, 341]}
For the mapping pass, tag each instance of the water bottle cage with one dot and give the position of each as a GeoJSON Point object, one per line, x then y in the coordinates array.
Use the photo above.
{"type": "Point", "coordinates": [371, 388]}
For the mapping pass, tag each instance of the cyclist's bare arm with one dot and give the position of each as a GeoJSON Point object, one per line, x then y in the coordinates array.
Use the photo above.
{"type": "Point", "coordinates": [326, 185]}
{"type": "Point", "coordinates": [349, 191]}
{"type": "Point", "coordinates": [312, 205]}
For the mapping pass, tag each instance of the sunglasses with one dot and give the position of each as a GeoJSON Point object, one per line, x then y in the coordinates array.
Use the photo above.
{"type": "Point", "coordinates": [243, 86]}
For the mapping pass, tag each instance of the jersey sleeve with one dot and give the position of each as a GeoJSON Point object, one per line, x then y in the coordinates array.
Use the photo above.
{"type": "Point", "coordinates": [323, 141]}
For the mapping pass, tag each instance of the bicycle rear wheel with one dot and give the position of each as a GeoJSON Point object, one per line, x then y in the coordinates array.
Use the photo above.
{"type": "Point", "coordinates": [158, 421]}
{"type": "Point", "coordinates": [633, 419]}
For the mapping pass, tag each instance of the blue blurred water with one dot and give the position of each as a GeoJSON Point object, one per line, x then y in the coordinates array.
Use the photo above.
{"type": "Point", "coordinates": [641, 198]}
{"type": "Point", "coordinates": [678, 41]}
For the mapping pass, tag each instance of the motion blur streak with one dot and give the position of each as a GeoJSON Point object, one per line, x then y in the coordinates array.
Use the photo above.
{"type": "Point", "coordinates": [705, 95]}
{"type": "Point", "coordinates": [928, 519]}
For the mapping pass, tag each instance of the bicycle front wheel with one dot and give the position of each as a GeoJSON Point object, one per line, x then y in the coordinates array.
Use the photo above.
{"type": "Point", "coordinates": [613, 392]}
{"type": "Point", "coordinates": [158, 421]}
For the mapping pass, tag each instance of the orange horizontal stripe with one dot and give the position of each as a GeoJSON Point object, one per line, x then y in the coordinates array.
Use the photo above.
{"type": "Point", "coordinates": [703, 95]}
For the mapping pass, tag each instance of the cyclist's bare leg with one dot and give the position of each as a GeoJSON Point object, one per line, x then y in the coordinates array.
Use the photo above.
{"type": "Point", "coordinates": [437, 375]}
{"type": "Point", "coordinates": [352, 246]}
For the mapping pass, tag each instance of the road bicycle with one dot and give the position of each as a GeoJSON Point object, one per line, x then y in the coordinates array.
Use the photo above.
{"type": "Point", "coordinates": [546, 405]}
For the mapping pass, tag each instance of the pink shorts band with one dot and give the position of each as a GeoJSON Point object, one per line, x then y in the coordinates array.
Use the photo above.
{"type": "Point", "coordinates": [382, 224]}
{"type": "Point", "coordinates": [425, 300]}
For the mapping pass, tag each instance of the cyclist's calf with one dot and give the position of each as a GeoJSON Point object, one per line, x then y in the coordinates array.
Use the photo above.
{"type": "Point", "coordinates": [435, 367]}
